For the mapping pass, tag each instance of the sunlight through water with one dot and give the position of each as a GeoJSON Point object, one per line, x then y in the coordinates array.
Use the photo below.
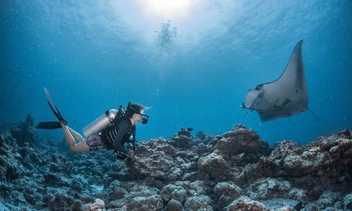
{"type": "Point", "coordinates": [167, 9]}
{"type": "Point", "coordinates": [177, 56]}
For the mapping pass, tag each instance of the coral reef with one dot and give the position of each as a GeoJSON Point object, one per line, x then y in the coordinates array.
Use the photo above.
{"type": "Point", "coordinates": [233, 171]}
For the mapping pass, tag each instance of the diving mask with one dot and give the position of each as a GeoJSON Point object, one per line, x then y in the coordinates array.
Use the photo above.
{"type": "Point", "coordinates": [144, 118]}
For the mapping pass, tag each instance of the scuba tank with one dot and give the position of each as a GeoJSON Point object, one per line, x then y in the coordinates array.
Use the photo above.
{"type": "Point", "coordinates": [103, 121]}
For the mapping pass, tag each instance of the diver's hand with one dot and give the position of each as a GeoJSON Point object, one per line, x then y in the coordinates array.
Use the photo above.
{"type": "Point", "coordinates": [120, 155]}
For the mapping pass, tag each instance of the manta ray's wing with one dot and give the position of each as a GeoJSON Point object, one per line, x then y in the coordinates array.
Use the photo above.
{"type": "Point", "coordinates": [284, 97]}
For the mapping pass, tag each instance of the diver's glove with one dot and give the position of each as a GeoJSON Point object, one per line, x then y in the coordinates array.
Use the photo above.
{"type": "Point", "coordinates": [120, 155]}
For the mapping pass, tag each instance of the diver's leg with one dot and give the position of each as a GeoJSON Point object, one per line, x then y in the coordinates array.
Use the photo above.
{"type": "Point", "coordinates": [76, 135]}
{"type": "Point", "coordinates": [80, 147]}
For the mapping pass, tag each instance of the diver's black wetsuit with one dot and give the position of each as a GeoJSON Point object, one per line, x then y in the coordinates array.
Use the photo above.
{"type": "Point", "coordinates": [114, 137]}
{"type": "Point", "coordinates": [124, 131]}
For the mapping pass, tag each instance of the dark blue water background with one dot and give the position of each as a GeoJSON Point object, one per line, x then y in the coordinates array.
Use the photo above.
{"type": "Point", "coordinates": [193, 64]}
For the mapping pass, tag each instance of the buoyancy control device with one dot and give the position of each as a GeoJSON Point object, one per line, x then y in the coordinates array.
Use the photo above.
{"type": "Point", "coordinates": [103, 121]}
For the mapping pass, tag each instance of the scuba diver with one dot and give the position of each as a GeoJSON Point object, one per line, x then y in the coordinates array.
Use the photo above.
{"type": "Point", "coordinates": [110, 131]}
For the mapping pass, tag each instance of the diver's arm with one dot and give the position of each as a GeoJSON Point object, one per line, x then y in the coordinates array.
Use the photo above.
{"type": "Point", "coordinates": [123, 129]}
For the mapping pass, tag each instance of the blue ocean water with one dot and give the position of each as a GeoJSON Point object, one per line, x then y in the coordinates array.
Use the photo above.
{"type": "Point", "coordinates": [193, 62]}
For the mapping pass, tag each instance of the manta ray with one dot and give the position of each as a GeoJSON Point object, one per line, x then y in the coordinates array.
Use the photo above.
{"type": "Point", "coordinates": [283, 97]}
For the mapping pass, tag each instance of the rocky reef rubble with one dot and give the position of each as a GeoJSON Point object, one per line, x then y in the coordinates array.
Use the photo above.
{"type": "Point", "coordinates": [233, 171]}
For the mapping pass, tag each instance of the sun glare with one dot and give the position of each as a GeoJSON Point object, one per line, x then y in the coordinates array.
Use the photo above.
{"type": "Point", "coordinates": [167, 8]}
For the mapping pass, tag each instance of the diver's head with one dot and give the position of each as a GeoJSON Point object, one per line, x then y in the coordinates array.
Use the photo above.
{"type": "Point", "coordinates": [136, 111]}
